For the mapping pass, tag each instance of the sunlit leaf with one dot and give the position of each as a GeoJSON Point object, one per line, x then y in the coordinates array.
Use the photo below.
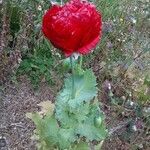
{"type": "Point", "coordinates": [47, 107]}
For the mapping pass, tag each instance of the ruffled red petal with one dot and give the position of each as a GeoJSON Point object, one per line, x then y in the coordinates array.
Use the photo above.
{"type": "Point", "coordinates": [74, 27]}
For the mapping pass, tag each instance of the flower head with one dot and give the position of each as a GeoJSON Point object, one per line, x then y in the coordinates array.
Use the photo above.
{"type": "Point", "coordinates": [74, 27]}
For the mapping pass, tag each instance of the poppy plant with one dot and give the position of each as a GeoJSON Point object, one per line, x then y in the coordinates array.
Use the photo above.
{"type": "Point", "coordinates": [74, 27]}
{"type": "Point", "coordinates": [75, 119]}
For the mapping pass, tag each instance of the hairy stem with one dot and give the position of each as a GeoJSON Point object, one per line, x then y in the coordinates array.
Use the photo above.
{"type": "Point", "coordinates": [73, 87]}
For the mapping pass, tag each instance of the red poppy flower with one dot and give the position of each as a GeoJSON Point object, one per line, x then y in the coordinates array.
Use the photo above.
{"type": "Point", "coordinates": [74, 27]}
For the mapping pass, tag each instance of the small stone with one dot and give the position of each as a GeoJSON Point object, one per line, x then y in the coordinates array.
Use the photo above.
{"type": "Point", "coordinates": [2, 142]}
{"type": "Point", "coordinates": [123, 97]}
{"type": "Point", "coordinates": [140, 145]}
{"type": "Point", "coordinates": [131, 103]}
{"type": "Point", "coordinates": [134, 128]}
{"type": "Point", "coordinates": [133, 20]}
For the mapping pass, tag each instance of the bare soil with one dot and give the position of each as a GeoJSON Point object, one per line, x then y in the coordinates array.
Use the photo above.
{"type": "Point", "coordinates": [16, 100]}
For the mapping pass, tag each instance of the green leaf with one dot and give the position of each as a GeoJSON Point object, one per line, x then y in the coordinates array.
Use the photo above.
{"type": "Point", "coordinates": [98, 121]}
{"type": "Point", "coordinates": [47, 108]}
{"type": "Point", "coordinates": [85, 88]}
{"type": "Point", "coordinates": [42, 68]}
{"type": "Point", "coordinates": [147, 80]}
{"type": "Point", "coordinates": [49, 130]}
{"type": "Point", "coordinates": [62, 110]}
{"type": "Point", "coordinates": [35, 117]}
{"type": "Point", "coordinates": [81, 146]}
{"type": "Point", "coordinates": [81, 113]}
{"type": "Point", "coordinates": [46, 129]}
{"type": "Point", "coordinates": [89, 129]}
{"type": "Point", "coordinates": [66, 137]}
{"type": "Point", "coordinates": [70, 117]}
{"type": "Point", "coordinates": [99, 146]}
{"type": "Point", "coordinates": [91, 132]}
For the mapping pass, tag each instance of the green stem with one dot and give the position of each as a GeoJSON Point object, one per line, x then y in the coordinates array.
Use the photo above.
{"type": "Point", "coordinates": [73, 87]}
{"type": "Point", "coordinates": [81, 59]}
